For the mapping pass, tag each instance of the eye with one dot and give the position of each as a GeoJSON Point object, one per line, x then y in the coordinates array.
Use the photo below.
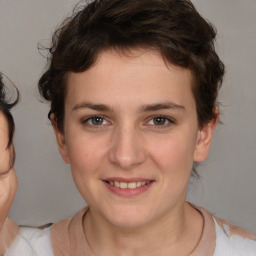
{"type": "Point", "coordinates": [160, 121]}
{"type": "Point", "coordinates": [96, 121]}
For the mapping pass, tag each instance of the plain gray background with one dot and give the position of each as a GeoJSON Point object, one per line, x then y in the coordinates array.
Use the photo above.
{"type": "Point", "coordinates": [46, 190]}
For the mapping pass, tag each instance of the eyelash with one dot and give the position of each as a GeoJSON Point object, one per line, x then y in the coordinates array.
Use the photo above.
{"type": "Point", "coordinates": [169, 121]}
{"type": "Point", "coordinates": [89, 121]}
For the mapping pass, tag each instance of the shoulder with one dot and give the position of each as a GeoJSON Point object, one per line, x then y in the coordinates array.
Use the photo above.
{"type": "Point", "coordinates": [67, 236]}
{"type": "Point", "coordinates": [60, 237]}
{"type": "Point", "coordinates": [30, 242]}
{"type": "Point", "coordinates": [220, 238]}
{"type": "Point", "coordinates": [8, 232]}
{"type": "Point", "coordinates": [233, 240]}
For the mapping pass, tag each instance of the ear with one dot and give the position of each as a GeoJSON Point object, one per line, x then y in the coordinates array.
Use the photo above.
{"type": "Point", "coordinates": [204, 139]}
{"type": "Point", "coordinates": [60, 138]}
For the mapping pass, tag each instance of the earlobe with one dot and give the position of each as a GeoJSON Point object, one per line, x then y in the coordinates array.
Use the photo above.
{"type": "Point", "coordinates": [60, 138]}
{"type": "Point", "coordinates": [204, 139]}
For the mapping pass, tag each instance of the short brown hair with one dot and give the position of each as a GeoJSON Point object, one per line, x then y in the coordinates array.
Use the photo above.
{"type": "Point", "coordinates": [172, 27]}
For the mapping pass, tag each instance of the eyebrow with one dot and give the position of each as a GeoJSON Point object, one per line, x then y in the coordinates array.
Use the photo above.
{"type": "Point", "coordinates": [143, 108]}
{"type": "Point", "coordinates": [98, 107]}
{"type": "Point", "coordinates": [159, 106]}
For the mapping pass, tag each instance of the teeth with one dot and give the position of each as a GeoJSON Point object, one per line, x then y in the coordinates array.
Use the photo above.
{"type": "Point", "coordinates": [138, 184]}
{"type": "Point", "coordinates": [130, 185]}
{"type": "Point", "coordinates": [123, 185]}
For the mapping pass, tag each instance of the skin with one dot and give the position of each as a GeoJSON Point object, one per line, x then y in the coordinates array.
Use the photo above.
{"type": "Point", "coordinates": [128, 141]}
{"type": "Point", "coordinates": [8, 179]}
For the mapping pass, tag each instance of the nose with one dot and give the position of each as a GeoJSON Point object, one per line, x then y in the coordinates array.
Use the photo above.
{"type": "Point", "coordinates": [127, 148]}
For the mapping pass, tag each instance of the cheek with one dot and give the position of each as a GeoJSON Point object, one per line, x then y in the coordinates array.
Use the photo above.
{"type": "Point", "coordinates": [84, 165]}
{"type": "Point", "coordinates": [5, 154]}
{"type": "Point", "coordinates": [5, 159]}
{"type": "Point", "coordinates": [86, 156]}
{"type": "Point", "coordinates": [82, 155]}
{"type": "Point", "coordinates": [174, 161]}
{"type": "Point", "coordinates": [174, 155]}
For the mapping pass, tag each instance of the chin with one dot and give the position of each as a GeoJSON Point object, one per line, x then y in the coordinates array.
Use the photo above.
{"type": "Point", "coordinates": [128, 218]}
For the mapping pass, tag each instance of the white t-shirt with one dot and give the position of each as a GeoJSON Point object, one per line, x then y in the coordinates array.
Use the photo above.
{"type": "Point", "coordinates": [31, 242]}
{"type": "Point", "coordinates": [235, 245]}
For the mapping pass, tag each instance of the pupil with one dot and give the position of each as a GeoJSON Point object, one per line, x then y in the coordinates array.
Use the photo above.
{"type": "Point", "coordinates": [97, 120]}
{"type": "Point", "coordinates": [159, 120]}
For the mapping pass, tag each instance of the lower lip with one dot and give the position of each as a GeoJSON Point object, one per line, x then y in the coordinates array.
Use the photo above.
{"type": "Point", "coordinates": [126, 192]}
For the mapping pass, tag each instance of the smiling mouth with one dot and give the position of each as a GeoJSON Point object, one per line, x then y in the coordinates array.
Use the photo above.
{"type": "Point", "coordinates": [127, 185]}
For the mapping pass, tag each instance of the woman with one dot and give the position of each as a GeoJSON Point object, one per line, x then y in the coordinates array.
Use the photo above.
{"type": "Point", "coordinates": [8, 180]}
{"type": "Point", "coordinates": [13, 240]}
{"type": "Point", "coordinates": [133, 87]}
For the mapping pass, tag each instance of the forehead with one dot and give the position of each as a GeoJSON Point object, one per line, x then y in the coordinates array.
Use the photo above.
{"type": "Point", "coordinates": [4, 136]}
{"type": "Point", "coordinates": [3, 121]}
{"type": "Point", "coordinates": [142, 75]}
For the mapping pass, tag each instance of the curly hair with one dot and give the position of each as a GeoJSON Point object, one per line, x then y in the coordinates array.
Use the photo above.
{"type": "Point", "coordinates": [172, 27]}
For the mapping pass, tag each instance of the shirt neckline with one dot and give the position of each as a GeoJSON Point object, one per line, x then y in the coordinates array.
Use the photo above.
{"type": "Point", "coordinates": [77, 245]}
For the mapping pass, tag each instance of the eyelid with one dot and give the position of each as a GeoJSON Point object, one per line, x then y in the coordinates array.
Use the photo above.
{"type": "Point", "coordinates": [86, 119]}
{"type": "Point", "coordinates": [170, 120]}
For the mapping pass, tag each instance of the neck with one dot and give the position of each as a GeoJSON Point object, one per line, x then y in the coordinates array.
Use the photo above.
{"type": "Point", "coordinates": [166, 236]}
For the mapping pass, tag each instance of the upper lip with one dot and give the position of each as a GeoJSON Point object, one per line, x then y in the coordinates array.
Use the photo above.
{"type": "Point", "coordinates": [127, 180]}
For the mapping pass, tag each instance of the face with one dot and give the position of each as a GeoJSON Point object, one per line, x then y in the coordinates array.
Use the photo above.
{"type": "Point", "coordinates": [5, 153]}
{"type": "Point", "coordinates": [131, 136]}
